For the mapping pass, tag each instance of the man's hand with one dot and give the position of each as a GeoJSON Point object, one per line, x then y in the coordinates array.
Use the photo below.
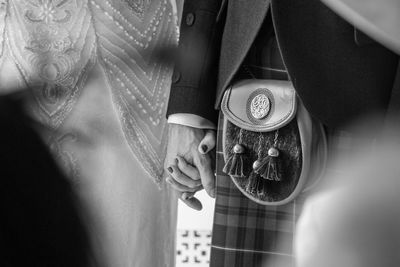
{"type": "Point", "coordinates": [189, 163]}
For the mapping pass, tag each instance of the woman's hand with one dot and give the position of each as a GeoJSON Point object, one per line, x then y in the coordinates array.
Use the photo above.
{"type": "Point", "coordinates": [189, 162]}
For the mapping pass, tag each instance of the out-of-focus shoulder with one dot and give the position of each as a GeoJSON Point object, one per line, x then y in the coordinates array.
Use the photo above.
{"type": "Point", "coordinates": [380, 20]}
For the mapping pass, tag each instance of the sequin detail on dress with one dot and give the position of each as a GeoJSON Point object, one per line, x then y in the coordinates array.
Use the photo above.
{"type": "Point", "coordinates": [128, 45]}
{"type": "Point", "coordinates": [138, 6]}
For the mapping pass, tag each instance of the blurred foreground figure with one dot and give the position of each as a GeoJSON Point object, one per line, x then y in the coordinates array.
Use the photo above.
{"type": "Point", "coordinates": [40, 220]}
{"type": "Point", "coordinates": [98, 97]}
{"type": "Point", "coordinates": [355, 221]}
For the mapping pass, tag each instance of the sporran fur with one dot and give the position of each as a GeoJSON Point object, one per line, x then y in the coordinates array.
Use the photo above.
{"type": "Point", "coordinates": [290, 158]}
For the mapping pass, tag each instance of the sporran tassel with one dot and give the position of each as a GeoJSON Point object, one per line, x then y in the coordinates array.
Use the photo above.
{"type": "Point", "coordinates": [261, 191]}
{"type": "Point", "coordinates": [234, 164]}
{"type": "Point", "coordinates": [268, 167]}
{"type": "Point", "coordinates": [253, 184]}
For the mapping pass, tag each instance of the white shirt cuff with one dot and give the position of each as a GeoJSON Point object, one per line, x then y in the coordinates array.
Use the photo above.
{"type": "Point", "coordinates": [191, 120]}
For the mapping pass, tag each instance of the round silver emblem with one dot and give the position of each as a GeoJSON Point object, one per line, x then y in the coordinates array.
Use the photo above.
{"type": "Point", "coordinates": [260, 106]}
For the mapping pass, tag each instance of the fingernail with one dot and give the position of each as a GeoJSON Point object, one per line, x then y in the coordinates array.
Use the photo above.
{"type": "Point", "coordinates": [170, 170]}
{"type": "Point", "coordinates": [204, 148]}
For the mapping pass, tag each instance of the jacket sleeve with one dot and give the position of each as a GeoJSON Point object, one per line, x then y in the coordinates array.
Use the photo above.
{"type": "Point", "coordinates": [194, 80]}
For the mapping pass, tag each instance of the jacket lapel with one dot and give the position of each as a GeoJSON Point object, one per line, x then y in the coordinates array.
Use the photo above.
{"type": "Point", "coordinates": [243, 21]}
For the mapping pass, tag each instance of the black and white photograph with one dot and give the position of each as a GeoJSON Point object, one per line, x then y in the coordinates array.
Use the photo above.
{"type": "Point", "coordinates": [200, 133]}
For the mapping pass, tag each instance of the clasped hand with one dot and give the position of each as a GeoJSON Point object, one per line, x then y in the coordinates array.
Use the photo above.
{"type": "Point", "coordinates": [190, 162]}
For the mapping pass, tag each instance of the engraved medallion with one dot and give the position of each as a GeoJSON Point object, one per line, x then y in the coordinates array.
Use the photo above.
{"type": "Point", "coordinates": [260, 106]}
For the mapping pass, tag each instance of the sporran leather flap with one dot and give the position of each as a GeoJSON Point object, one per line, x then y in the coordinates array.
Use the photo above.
{"type": "Point", "coordinates": [260, 105]}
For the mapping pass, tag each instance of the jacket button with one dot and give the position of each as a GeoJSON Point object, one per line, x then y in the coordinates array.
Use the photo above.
{"type": "Point", "coordinates": [189, 19]}
{"type": "Point", "coordinates": [176, 77]}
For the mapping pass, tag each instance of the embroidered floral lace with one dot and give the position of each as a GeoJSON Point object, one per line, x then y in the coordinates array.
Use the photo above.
{"type": "Point", "coordinates": [55, 44]}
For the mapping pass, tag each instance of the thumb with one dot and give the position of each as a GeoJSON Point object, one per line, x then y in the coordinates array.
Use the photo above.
{"type": "Point", "coordinates": [192, 202]}
{"type": "Point", "coordinates": [208, 142]}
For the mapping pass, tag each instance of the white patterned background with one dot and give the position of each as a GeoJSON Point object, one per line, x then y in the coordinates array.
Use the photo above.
{"type": "Point", "coordinates": [194, 233]}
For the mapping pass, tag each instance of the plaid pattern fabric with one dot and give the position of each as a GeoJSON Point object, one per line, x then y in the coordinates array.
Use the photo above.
{"type": "Point", "coordinates": [246, 233]}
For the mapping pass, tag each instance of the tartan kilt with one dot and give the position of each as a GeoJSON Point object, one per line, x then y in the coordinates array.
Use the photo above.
{"type": "Point", "coordinates": [246, 233]}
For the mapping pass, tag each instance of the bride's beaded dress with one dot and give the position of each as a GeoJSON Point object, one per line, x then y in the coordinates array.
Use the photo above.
{"type": "Point", "coordinates": [93, 82]}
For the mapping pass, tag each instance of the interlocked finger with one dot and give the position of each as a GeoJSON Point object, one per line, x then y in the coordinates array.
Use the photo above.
{"type": "Point", "coordinates": [208, 142]}
{"type": "Point", "coordinates": [183, 179]}
{"type": "Point", "coordinates": [204, 165]}
{"type": "Point", "coordinates": [188, 169]}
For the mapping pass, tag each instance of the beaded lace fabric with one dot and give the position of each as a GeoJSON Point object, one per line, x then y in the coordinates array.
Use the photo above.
{"type": "Point", "coordinates": [54, 44]}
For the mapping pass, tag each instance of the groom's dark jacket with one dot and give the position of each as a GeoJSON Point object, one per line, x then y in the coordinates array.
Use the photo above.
{"type": "Point", "coordinates": [339, 73]}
